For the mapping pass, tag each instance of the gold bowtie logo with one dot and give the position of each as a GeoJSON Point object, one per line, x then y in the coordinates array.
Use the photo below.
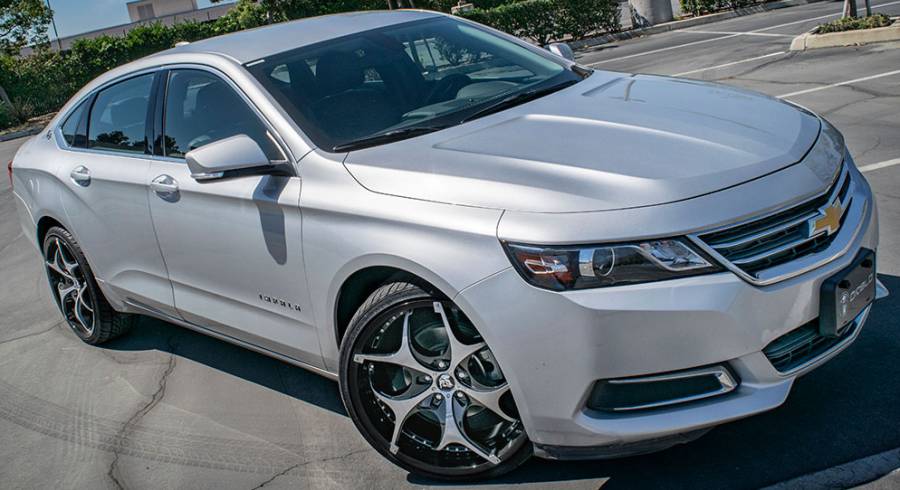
{"type": "Point", "coordinates": [830, 220]}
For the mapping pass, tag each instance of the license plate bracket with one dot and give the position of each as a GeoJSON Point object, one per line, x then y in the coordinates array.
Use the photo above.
{"type": "Point", "coordinates": [846, 294]}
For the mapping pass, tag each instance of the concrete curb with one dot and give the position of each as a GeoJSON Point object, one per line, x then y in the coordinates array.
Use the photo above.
{"type": "Point", "coordinates": [847, 475]}
{"type": "Point", "coordinates": [686, 23]}
{"type": "Point", "coordinates": [19, 134]}
{"type": "Point", "coordinates": [811, 40]}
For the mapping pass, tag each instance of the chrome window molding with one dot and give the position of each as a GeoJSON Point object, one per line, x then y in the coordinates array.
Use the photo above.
{"type": "Point", "coordinates": [278, 140]}
{"type": "Point", "coordinates": [857, 214]}
{"type": "Point", "coordinates": [57, 129]}
{"type": "Point", "coordinates": [276, 136]}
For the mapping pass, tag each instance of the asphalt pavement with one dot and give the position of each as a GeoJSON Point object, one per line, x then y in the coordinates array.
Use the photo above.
{"type": "Point", "coordinates": [169, 408]}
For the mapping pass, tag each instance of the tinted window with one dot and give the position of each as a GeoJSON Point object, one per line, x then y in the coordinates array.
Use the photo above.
{"type": "Point", "coordinates": [202, 108]}
{"type": "Point", "coordinates": [428, 74]}
{"type": "Point", "coordinates": [119, 117]}
{"type": "Point", "coordinates": [74, 129]}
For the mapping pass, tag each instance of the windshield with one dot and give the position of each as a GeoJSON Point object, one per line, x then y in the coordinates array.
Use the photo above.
{"type": "Point", "coordinates": [403, 80]}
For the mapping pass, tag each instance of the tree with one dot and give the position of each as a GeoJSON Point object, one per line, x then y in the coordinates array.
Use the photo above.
{"type": "Point", "coordinates": [22, 22]}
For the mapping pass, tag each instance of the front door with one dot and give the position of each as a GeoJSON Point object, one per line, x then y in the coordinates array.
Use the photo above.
{"type": "Point", "coordinates": [232, 245]}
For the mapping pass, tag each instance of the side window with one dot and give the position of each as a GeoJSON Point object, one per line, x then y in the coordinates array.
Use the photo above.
{"type": "Point", "coordinates": [201, 108]}
{"type": "Point", "coordinates": [75, 128]}
{"type": "Point", "coordinates": [119, 116]}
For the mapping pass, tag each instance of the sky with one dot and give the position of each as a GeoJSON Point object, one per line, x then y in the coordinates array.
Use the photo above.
{"type": "Point", "coordinates": [77, 16]}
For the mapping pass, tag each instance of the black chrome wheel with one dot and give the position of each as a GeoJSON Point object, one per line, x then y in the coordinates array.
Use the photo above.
{"type": "Point", "coordinates": [75, 291]}
{"type": "Point", "coordinates": [69, 287]}
{"type": "Point", "coordinates": [425, 389]}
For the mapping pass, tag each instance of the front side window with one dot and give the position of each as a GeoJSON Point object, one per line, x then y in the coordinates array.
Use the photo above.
{"type": "Point", "coordinates": [202, 108]}
{"type": "Point", "coordinates": [118, 119]}
{"type": "Point", "coordinates": [416, 76]}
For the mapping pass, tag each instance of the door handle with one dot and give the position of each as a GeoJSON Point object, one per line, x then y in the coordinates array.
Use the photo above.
{"type": "Point", "coordinates": [81, 175]}
{"type": "Point", "coordinates": [164, 184]}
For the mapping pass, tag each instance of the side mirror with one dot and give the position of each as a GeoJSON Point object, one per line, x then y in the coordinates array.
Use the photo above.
{"type": "Point", "coordinates": [238, 152]}
{"type": "Point", "coordinates": [562, 50]}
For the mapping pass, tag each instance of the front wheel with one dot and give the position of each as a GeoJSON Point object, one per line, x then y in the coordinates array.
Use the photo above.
{"type": "Point", "coordinates": [425, 390]}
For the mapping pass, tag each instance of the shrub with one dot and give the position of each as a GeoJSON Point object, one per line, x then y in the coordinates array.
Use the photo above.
{"type": "Point", "coordinates": [580, 18]}
{"type": "Point", "coordinates": [700, 7]}
{"type": "Point", "coordinates": [855, 23]}
{"type": "Point", "coordinates": [546, 20]}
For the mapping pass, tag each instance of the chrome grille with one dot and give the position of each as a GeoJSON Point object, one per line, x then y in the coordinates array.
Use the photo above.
{"type": "Point", "coordinates": [759, 244]}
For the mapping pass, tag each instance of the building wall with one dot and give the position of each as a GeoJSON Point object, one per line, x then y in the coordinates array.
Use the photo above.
{"type": "Point", "coordinates": [160, 8]}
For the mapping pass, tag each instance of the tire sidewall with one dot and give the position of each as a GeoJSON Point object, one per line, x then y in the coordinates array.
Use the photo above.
{"type": "Point", "coordinates": [356, 331]}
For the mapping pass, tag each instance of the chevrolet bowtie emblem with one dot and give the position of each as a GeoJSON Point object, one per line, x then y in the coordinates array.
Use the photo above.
{"type": "Point", "coordinates": [829, 220]}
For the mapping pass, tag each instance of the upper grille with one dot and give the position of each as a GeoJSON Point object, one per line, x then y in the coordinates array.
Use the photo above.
{"type": "Point", "coordinates": [781, 237]}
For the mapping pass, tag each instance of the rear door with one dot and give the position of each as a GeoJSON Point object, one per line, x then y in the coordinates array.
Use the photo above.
{"type": "Point", "coordinates": [104, 163]}
{"type": "Point", "coordinates": [232, 245]}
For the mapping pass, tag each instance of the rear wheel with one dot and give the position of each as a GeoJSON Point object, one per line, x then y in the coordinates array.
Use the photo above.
{"type": "Point", "coordinates": [75, 290]}
{"type": "Point", "coordinates": [425, 390]}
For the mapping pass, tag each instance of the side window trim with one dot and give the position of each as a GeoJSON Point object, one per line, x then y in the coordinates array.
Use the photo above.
{"type": "Point", "coordinates": [150, 129]}
{"type": "Point", "coordinates": [90, 99]}
{"type": "Point", "coordinates": [275, 136]}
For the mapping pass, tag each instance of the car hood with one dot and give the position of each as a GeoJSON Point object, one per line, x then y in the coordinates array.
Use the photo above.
{"type": "Point", "coordinates": [612, 141]}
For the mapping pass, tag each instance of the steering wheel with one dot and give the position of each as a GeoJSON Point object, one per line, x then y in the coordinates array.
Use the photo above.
{"type": "Point", "coordinates": [447, 87]}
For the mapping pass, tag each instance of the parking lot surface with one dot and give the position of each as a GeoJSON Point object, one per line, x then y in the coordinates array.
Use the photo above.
{"type": "Point", "coordinates": [165, 407]}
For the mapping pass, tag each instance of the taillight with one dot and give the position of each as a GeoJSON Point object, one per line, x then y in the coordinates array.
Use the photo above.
{"type": "Point", "coordinates": [9, 173]}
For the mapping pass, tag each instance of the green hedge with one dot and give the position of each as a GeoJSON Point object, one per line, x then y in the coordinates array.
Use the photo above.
{"type": "Point", "coordinates": [546, 20]}
{"type": "Point", "coordinates": [44, 81]}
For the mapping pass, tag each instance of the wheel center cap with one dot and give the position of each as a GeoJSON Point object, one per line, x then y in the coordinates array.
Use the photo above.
{"type": "Point", "coordinates": [445, 382]}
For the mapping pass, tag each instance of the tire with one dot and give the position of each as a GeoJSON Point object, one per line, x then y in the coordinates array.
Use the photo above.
{"type": "Point", "coordinates": [75, 290]}
{"type": "Point", "coordinates": [442, 380]}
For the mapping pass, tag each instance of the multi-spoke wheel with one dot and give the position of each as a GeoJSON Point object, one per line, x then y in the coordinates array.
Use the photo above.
{"type": "Point", "coordinates": [424, 388]}
{"type": "Point", "coordinates": [76, 293]}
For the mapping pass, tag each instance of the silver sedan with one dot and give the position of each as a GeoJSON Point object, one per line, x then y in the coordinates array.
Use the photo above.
{"type": "Point", "coordinates": [496, 251]}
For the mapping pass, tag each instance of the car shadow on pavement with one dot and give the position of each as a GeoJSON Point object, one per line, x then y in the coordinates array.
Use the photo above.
{"type": "Point", "coordinates": [841, 412]}
{"type": "Point", "coordinates": [153, 334]}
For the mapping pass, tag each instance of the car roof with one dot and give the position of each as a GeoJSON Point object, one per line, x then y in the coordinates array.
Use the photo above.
{"type": "Point", "coordinates": [254, 44]}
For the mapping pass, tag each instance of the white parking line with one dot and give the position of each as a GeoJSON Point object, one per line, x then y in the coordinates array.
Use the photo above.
{"type": "Point", "coordinates": [839, 84]}
{"type": "Point", "coordinates": [876, 166]}
{"type": "Point", "coordinates": [703, 41]}
{"type": "Point", "coordinates": [698, 70]}
{"type": "Point", "coordinates": [751, 33]}
{"type": "Point", "coordinates": [660, 50]}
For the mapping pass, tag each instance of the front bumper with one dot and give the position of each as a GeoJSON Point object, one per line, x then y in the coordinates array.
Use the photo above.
{"type": "Point", "coordinates": [554, 346]}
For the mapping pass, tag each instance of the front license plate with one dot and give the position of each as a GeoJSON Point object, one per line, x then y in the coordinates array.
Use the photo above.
{"type": "Point", "coordinates": [846, 294]}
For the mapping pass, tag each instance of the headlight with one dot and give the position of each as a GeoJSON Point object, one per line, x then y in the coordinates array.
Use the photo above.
{"type": "Point", "coordinates": [825, 157]}
{"type": "Point", "coordinates": [580, 267]}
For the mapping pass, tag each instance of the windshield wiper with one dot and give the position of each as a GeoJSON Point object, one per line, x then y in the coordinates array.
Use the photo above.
{"type": "Point", "coordinates": [386, 137]}
{"type": "Point", "coordinates": [516, 99]}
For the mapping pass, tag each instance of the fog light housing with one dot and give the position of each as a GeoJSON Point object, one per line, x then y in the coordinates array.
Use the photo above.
{"type": "Point", "coordinates": [646, 392]}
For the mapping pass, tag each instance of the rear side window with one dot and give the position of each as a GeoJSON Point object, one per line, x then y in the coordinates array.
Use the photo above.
{"type": "Point", "coordinates": [74, 130]}
{"type": "Point", "coordinates": [118, 118]}
{"type": "Point", "coordinates": [202, 108]}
